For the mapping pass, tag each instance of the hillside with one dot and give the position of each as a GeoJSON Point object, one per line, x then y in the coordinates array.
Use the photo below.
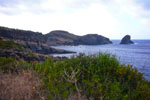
{"type": "Point", "coordinates": [65, 38]}
{"type": "Point", "coordinates": [41, 43]}
{"type": "Point", "coordinates": [22, 35]}
{"type": "Point", "coordinates": [59, 37]}
{"type": "Point", "coordinates": [34, 40]}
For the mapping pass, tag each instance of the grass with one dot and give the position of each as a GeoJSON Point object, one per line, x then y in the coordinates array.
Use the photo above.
{"type": "Point", "coordinates": [98, 77]}
{"type": "Point", "coordinates": [21, 86]}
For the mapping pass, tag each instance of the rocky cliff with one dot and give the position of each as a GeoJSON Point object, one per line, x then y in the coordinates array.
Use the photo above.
{"type": "Point", "coordinates": [33, 40]}
{"type": "Point", "coordinates": [41, 43]}
{"type": "Point", "coordinates": [22, 35]}
{"type": "Point", "coordinates": [126, 40]}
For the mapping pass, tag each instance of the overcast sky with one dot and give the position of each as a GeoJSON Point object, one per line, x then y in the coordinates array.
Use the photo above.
{"type": "Point", "coordinates": [110, 18]}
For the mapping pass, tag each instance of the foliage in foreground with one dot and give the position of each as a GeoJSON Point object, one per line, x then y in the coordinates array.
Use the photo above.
{"type": "Point", "coordinates": [99, 77]}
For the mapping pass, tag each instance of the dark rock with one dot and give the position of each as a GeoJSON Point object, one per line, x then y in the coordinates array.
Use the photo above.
{"type": "Point", "coordinates": [24, 55]}
{"type": "Point", "coordinates": [126, 40]}
{"type": "Point", "coordinates": [92, 39]}
{"type": "Point", "coordinates": [22, 35]}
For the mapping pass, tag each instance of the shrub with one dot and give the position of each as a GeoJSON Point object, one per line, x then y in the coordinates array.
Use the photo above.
{"type": "Point", "coordinates": [12, 65]}
{"type": "Point", "coordinates": [100, 77]}
{"type": "Point", "coordinates": [97, 77]}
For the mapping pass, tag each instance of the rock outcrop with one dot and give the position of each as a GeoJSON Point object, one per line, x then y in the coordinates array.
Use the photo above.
{"type": "Point", "coordinates": [66, 38]}
{"type": "Point", "coordinates": [21, 52]}
{"type": "Point", "coordinates": [126, 40]}
{"type": "Point", "coordinates": [17, 34]}
{"type": "Point", "coordinates": [92, 39]}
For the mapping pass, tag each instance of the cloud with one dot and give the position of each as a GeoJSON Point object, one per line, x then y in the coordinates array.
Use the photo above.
{"type": "Point", "coordinates": [135, 7]}
{"type": "Point", "coordinates": [105, 17]}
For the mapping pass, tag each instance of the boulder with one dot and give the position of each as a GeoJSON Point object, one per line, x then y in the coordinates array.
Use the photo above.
{"type": "Point", "coordinates": [126, 40]}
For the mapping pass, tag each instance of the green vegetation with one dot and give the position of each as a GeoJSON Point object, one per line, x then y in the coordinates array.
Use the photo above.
{"type": "Point", "coordinates": [98, 77]}
{"type": "Point", "coordinates": [12, 65]}
{"type": "Point", "coordinates": [10, 44]}
{"type": "Point", "coordinates": [31, 54]}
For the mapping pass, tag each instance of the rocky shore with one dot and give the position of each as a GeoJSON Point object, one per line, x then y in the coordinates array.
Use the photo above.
{"type": "Point", "coordinates": [33, 40]}
{"type": "Point", "coordinates": [22, 52]}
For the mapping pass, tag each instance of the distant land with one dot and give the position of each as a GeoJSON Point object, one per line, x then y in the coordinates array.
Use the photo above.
{"type": "Point", "coordinates": [59, 37]}
{"type": "Point", "coordinates": [40, 43]}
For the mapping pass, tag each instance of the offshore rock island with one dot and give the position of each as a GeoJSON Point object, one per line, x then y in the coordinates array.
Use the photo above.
{"type": "Point", "coordinates": [126, 40]}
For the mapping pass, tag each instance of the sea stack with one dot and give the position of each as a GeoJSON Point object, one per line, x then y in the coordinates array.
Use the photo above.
{"type": "Point", "coordinates": [126, 40]}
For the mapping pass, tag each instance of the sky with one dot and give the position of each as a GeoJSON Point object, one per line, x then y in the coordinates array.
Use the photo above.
{"type": "Point", "coordinates": [110, 18]}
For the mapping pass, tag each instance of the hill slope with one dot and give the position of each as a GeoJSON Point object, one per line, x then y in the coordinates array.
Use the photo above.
{"type": "Point", "coordinates": [65, 38]}
{"type": "Point", "coordinates": [34, 40]}
{"type": "Point", "coordinates": [59, 37]}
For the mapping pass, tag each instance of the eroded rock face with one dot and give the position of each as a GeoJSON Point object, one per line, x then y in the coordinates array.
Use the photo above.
{"type": "Point", "coordinates": [126, 40]}
{"type": "Point", "coordinates": [22, 35]}
{"type": "Point", "coordinates": [33, 40]}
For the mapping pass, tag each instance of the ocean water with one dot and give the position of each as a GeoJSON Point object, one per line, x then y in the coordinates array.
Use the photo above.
{"type": "Point", "coordinates": [137, 54]}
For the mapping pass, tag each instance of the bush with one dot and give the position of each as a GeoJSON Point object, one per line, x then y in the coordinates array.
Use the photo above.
{"type": "Point", "coordinates": [12, 65]}
{"type": "Point", "coordinates": [100, 77]}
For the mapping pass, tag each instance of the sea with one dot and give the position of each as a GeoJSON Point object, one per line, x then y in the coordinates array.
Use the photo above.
{"type": "Point", "coordinates": [137, 54]}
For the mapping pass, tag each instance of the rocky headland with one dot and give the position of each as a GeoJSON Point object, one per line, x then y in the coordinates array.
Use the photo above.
{"type": "Point", "coordinates": [36, 41]}
{"type": "Point", "coordinates": [34, 46]}
{"type": "Point", "coordinates": [40, 43]}
{"type": "Point", "coordinates": [59, 37]}
{"type": "Point", "coordinates": [91, 39]}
